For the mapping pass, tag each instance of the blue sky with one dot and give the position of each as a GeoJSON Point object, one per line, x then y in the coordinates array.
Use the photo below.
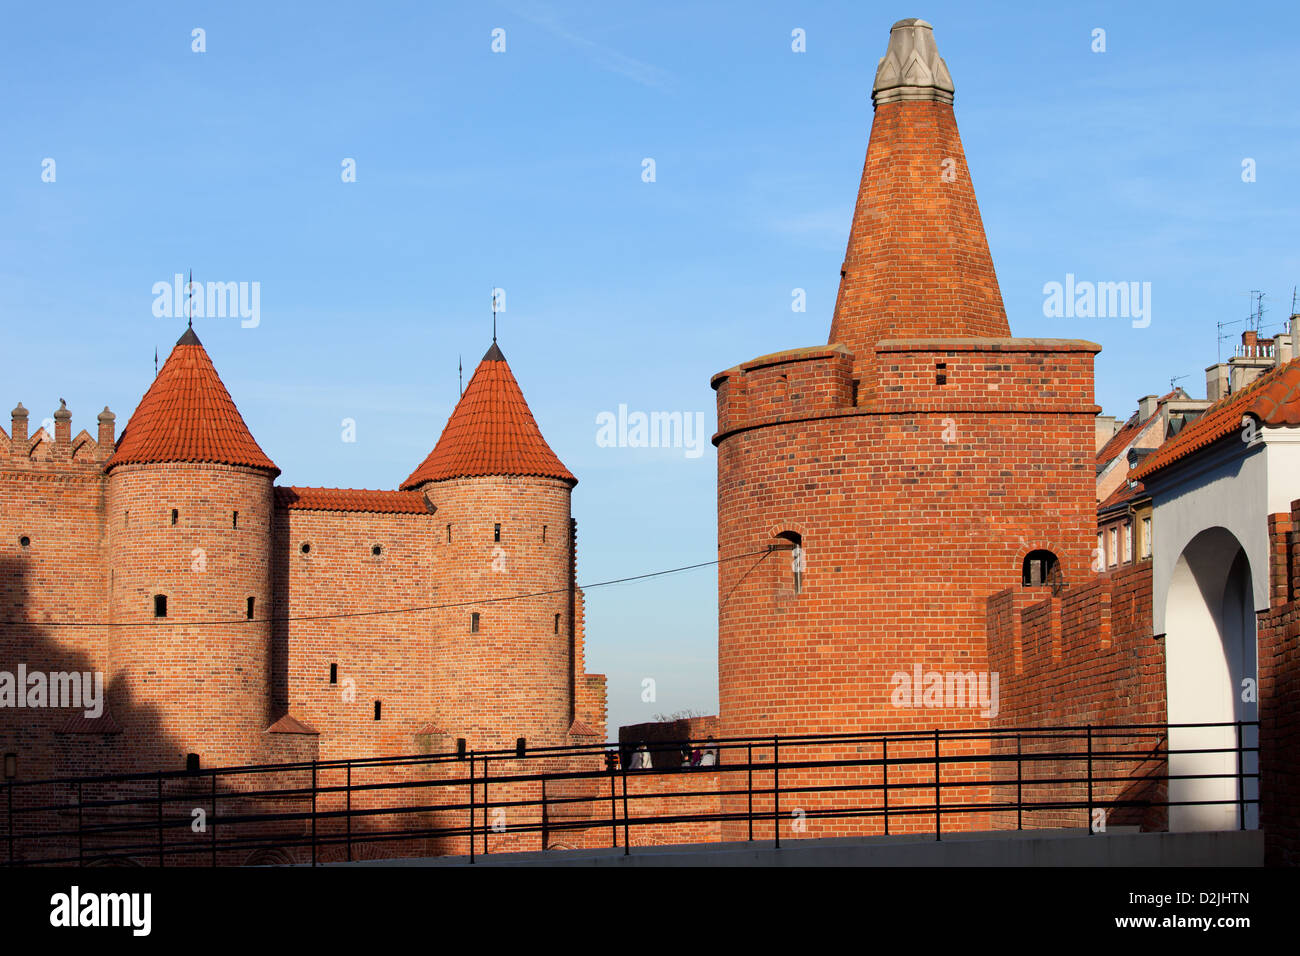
{"type": "Point", "coordinates": [523, 170]}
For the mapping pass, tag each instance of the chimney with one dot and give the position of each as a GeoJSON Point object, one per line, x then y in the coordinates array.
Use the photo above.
{"type": "Point", "coordinates": [1248, 339]}
{"type": "Point", "coordinates": [18, 425]}
{"type": "Point", "coordinates": [62, 424]}
{"type": "Point", "coordinates": [1147, 406]}
{"type": "Point", "coordinates": [107, 426]}
{"type": "Point", "coordinates": [1283, 348]}
{"type": "Point", "coordinates": [1106, 429]}
{"type": "Point", "coordinates": [1216, 381]}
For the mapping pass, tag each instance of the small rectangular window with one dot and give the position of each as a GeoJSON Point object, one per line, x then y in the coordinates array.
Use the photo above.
{"type": "Point", "coordinates": [334, 673]}
{"type": "Point", "coordinates": [175, 514]}
{"type": "Point", "coordinates": [473, 622]}
{"type": "Point", "coordinates": [192, 763]}
{"type": "Point", "coordinates": [496, 532]}
{"type": "Point", "coordinates": [460, 747]}
{"type": "Point", "coordinates": [250, 608]}
{"type": "Point", "coordinates": [1128, 542]}
{"type": "Point", "coordinates": [557, 624]}
{"type": "Point", "coordinates": [543, 532]}
{"type": "Point", "coordinates": [1146, 537]}
{"type": "Point", "coordinates": [378, 709]}
{"type": "Point", "coordinates": [449, 534]}
{"type": "Point", "coordinates": [160, 605]}
{"type": "Point", "coordinates": [1114, 546]}
{"type": "Point", "coordinates": [234, 519]}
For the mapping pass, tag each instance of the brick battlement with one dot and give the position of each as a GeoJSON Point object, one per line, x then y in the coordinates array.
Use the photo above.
{"type": "Point", "coordinates": [55, 447]}
{"type": "Point", "coordinates": [910, 376]}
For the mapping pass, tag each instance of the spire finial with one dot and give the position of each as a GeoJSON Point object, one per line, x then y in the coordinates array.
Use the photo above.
{"type": "Point", "coordinates": [494, 315]}
{"type": "Point", "coordinates": [189, 304]}
{"type": "Point", "coordinates": [912, 68]}
{"type": "Point", "coordinates": [460, 375]}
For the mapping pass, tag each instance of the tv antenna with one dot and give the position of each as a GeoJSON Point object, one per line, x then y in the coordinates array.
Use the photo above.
{"type": "Point", "coordinates": [1177, 378]}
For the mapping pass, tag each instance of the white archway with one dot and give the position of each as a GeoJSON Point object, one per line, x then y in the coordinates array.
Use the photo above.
{"type": "Point", "coordinates": [1210, 651]}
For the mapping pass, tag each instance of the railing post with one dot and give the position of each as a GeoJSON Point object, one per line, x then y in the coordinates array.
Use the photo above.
{"type": "Point", "coordinates": [544, 840]}
{"type": "Point", "coordinates": [1091, 829]}
{"type": "Point", "coordinates": [486, 805]}
{"type": "Point", "coordinates": [81, 849]}
{"type": "Point", "coordinates": [1020, 800]}
{"type": "Point", "coordinates": [313, 813]}
{"type": "Point", "coordinates": [160, 820]}
{"type": "Point", "coordinates": [9, 818]}
{"type": "Point", "coordinates": [212, 824]}
{"type": "Point", "coordinates": [884, 769]}
{"type": "Point", "coordinates": [627, 842]}
{"type": "Point", "coordinates": [348, 818]}
{"type": "Point", "coordinates": [776, 789]}
{"type": "Point", "coordinates": [1241, 783]}
{"type": "Point", "coordinates": [749, 760]}
{"type": "Point", "coordinates": [938, 825]}
{"type": "Point", "coordinates": [471, 806]}
{"type": "Point", "coordinates": [613, 806]}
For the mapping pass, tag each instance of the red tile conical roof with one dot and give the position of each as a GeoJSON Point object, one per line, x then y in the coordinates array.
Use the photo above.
{"type": "Point", "coordinates": [918, 262]}
{"type": "Point", "coordinates": [187, 415]}
{"type": "Point", "coordinates": [490, 432]}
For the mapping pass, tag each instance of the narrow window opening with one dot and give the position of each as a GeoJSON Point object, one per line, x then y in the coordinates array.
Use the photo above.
{"type": "Point", "coordinates": [334, 673]}
{"type": "Point", "coordinates": [941, 373]}
{"type": "Point", "coordinates": [160, 605]}
{"type": "Point", "coordinates": [853, 399]}
{"type": "Point", "coordinates": [175, 514]}
{"type": "Point", "coordinates": [792, 541]}
{"type": "Point", "coordinates": [192, 763]}
{"type": "Point", "coordinates": [378, 709]}
{"type": "Point", "coordinates": [449, 534]}
{"type": "Point", "coordinates": [521, 746]}
{"type": "Point", "coordinates": [234, 519]}
{"type": "Point", "coordinates": [460, 747]}
{"type": "Point", "coordinates": [496, 532]}
{"type": "Point", "coordinates": [11, 766]}
{"type": "Point", "coordinates": [557, 624]}
{"type": "Point", "coordinates": [250, 608]}
{"type": "Point", "coordinates": [543, 532]}
{"type": "Point", "coordinates": [473, 623]}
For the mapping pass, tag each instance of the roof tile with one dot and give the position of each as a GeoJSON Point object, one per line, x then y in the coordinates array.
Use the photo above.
{"type": "Point", "coordinates": [187, 415]}
{"type": "Point", "coordinates": [351, 499]}
{"type": "Point", "coordinates": [1273, 399]}
{"type": "Point", "coordinates": [490, 432]}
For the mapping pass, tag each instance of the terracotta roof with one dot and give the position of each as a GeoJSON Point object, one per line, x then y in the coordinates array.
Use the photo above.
{"type": "Point", "coordinates": [351, 499]}
{"type": "Point", "coordinates": [187, 415]}
{"type": "Point", "coordinates": [1272, 399]}
{"type": "Point", "coordinates": [1122, 495]}
{"type": "Point", "coordinates": [79, 723]}
{"type": "Point", "coordinates": [581, 729]}
{"type": "Point", "coordinates": [1130, 430]}
{"type": "Point", "coordinates": [291, 725]}
{"type": "Point", "coordinates": [490, 432]}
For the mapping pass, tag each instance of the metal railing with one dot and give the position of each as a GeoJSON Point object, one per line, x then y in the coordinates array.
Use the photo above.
{"type": "Point", "coordinates": [880, 782]}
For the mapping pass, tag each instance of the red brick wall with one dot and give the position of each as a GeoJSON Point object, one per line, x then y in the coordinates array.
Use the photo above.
{"type": "Point", "coordinates": [912, 509]}
{"type": "Point", "coordinates": [1279, 695]}
{"type": "Point", "coordinates": [1086, 657]}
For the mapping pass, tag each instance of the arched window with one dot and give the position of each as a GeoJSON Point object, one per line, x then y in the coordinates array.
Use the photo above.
{"type": "Point", "coordinates": [1039, 568]}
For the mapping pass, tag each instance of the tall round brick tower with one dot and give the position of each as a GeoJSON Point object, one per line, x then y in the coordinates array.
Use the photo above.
{"type": "Point", "coordinates": [506, 653]}
{"type": "Point", "coordinates": [188, 524]}
{"type": "Point", "coordinates": [911, 464]}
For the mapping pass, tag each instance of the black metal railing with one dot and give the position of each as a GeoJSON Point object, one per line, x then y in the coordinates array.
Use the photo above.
{"type": "Point", "coordinates": [879, 782]}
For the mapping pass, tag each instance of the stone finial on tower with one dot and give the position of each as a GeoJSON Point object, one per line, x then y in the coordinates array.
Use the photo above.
{"type": "Point", "coordinates": [62, 424]}
{"type": "Point", "coordinates": [911, 68]}
{"type": "Point", "coordinates": [18, 425]}
{"type": "Point", "coordinates": [107, 429]}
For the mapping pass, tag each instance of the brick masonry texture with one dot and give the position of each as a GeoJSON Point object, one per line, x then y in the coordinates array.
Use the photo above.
{"type": "Point", "coordinates": [89, 541]}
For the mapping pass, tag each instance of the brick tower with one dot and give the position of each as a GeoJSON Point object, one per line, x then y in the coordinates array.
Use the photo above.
{"type": "Point", "coordinates": [507, 664]}
{"type": "Point", "coordinates": [188, 528]}
{"type": "Point", "coordinates": [916, 460]}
